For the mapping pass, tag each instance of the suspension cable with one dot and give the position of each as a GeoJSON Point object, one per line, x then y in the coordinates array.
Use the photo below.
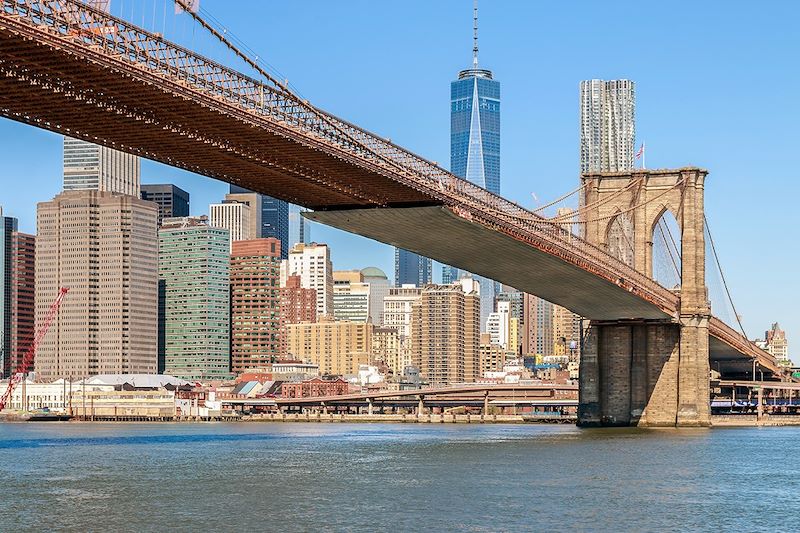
{"type": "Point", "coordinates": [559, 222]}
{"type": "Point", "coordinates": [672, 239]}
{"type": "Point", "coordinates": [722, 275]}
{"type": "Point", "coordinates": [559, 199]}
{"type": "Point", "coordinates": [597, 203]}
{"type": "Point", "coordinates": [660, 227]}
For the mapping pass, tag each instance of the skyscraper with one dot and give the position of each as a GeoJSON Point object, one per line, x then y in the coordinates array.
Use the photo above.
{"type": "Point", "coordinates": [255, 303]}
{"type": "Point", "coordinates": [566, 332]}
{"type": "Point", "coordinates": [378, 290]}
{"type": "Point", "coordinates": [538, 335]}
{"type": "Point", "coordinates": [194, 299]}
{"type": "Point", "coordinates": [172, 201]}
{"type": "Point", "coordinates": [8, 226]}
{"type": "Point", "coordinates": [297, 305]}
{"type": "Point", "coordinates": [397, 312]}
{"type": "Point", "coordinates": [23, 296]}
{"type": "Point", "coordinates": [608, 133]}
{"type": "Point", "coordinates": [312, 262]}
{"type": "Point", "coordinates": [608, 129]}
{"type": "Point", "coordinates": [350, 296]}
{"type": "Point", "coordinates": [254, 202]}
{"type": "Point", "coordinates": [475, 141]}
{"type": "Point", "coordinates": [776, 343]}
{"type": "Point", "coordinates": [475, 123]}
{"type": "Point", "coordinates": [274, 219]}
{"type": "Point", "coordinates": [445, 334]}
{"type": "Point", "coordinates": [90, 166]}
{"type": "Point", "coordinates": [299, 227]}
{"type": "Point", "coordinates": [235, 217]}
{"type": "Point", "coordinates": [411, 269]}
{"type": "Point", "coordinates": [102, 246]}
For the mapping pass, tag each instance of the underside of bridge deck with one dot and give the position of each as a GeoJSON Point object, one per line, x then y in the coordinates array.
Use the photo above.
{"type": "Point", "coordinates": [440, 234]}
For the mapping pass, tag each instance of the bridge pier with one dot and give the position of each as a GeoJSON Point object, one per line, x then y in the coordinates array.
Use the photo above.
{"type": "Point", "coordinates": [647, 374]}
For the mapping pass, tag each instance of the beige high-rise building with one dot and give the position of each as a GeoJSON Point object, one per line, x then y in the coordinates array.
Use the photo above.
{"type": "Point", "coordinates": [493, 356]}
{"type": "Point", "coordinates": [445, 333]}
{"type": "Point", "coordinates": [103, 247]}
{"type": "Point", "coordinates": [234, 217]}
{"type": "Point", "coordinates": [397, 309]}
{"type": "Point", "coordinates": [338, 347]}
{"type": "Point", "coordinates": [312, 262]}
{"type": "Point", "coordinates": [386, 348]}
{"type": "Point", "coordinates": [350, 296]}
{"type": "Point", "coordinates": [566, 332]}
{"type": "Point", "coordinates": [776, 343]}
{"type": "Point", "coordinates": [253, 200]}
{"type": "Point", "coordinates": [538, 335]}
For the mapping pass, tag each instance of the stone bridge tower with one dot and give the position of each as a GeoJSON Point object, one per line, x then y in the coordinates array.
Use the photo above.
{"type": "Point", "coordinates": [637, 372]}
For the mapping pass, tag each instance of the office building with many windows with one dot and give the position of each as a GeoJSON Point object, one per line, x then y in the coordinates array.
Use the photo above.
{"type": "Point", "coordinates": [101, 246]}
{"type": "Point", "coordinates": [445, 333]}
{"type": "Point", "coordinates": [172, 201]}
{"type": "Point", "coordinates": [255, 303]}
{"type": "Point", "coordinates": [312, 263]}
{"type": "Point", "coordinates": [88, 166]}
{"type": "Point", "coordinates": [194, 299]}
{"type": "Point", "coordinates": [274, 219]}
{"type": "Point", "coordinates": [350, 296]}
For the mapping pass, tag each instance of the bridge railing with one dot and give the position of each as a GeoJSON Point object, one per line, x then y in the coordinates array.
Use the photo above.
{"type": "Point", "coordinates": [268, 99]}
{"type": "Point", "coordinates": [739, 342]}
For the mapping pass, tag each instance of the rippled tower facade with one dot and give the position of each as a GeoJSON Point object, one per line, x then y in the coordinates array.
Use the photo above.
{"type": "Point", "coordinates": [475, 148]}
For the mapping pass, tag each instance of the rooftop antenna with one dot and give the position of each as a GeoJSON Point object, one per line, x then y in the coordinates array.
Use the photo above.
{"type": "Point", "coordinates": [474, 33]}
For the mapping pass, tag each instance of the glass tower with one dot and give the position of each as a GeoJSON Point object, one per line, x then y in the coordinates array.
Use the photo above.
{"type": "Point", "coordinates": [411, 268]}
{"type": "Point", "coordinates": [194, 299]}
{"type": "Point", "coordinates": [299, 227]}
{"type": "Point", "coordinates": [8, 225]}
{"type": "Point", "coordinates": [475, 128]}
{"type": "Point", "coordinates": [475, 145]}
{"type": "Point", "coordinates": [274, 219]}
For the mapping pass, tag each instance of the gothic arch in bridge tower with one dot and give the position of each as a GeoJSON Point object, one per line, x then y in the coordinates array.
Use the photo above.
{"type": "Point", "coordinates": [664, 248]}
{"type": "Point", "coordinates": [619, 238]}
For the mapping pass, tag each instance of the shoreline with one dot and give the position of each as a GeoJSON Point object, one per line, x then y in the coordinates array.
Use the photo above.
{"type": "Point", "coordinates": [717, 421]}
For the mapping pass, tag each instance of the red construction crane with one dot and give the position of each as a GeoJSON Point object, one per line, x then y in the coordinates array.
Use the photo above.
{"type": "Point", "coordinates": [27, 359]}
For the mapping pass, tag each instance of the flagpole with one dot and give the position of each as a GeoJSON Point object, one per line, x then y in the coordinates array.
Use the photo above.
{"type": "Point", "coordinates": [644, 155]}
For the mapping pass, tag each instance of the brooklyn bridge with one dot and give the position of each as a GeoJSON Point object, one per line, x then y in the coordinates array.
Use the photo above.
{"type": "Point", "coordinates": [648, 350]}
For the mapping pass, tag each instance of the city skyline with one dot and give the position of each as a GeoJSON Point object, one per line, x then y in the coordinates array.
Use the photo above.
{"type": "Point", "coordinates": [543, 160]}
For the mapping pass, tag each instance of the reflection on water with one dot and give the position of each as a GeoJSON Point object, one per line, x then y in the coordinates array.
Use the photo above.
{"type": "Point", "coordinates": [403, 477]}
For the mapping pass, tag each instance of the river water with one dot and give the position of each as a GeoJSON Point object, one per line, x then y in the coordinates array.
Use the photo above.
{"type": "Point", "coordinates": [394, 477]}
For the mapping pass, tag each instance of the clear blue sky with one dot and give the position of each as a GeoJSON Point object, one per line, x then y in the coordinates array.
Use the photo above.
{"type": "Point", "coordinates": [717, 86]}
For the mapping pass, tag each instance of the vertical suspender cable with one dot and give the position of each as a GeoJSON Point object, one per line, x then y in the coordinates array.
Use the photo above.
{"type": "Point", "coordinates": [722, 275]}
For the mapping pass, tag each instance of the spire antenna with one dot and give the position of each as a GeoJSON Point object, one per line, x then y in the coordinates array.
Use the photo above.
{"type": "Point", "coordinates": [475, 33]}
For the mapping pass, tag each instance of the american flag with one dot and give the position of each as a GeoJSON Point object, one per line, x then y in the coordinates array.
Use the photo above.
{"type": "Point", "coordinates": [640, 152]}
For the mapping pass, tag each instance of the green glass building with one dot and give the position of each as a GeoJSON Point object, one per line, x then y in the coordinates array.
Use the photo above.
{"type": "Point", "coordinates": [194, 299]}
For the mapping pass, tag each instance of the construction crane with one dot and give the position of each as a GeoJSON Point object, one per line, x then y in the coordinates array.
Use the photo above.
{"type": "Point", "coordinates": [27, 359]}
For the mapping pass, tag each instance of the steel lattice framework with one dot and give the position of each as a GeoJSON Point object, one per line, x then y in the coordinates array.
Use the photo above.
{"type": "Point", "coordinates": [72, 69]}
